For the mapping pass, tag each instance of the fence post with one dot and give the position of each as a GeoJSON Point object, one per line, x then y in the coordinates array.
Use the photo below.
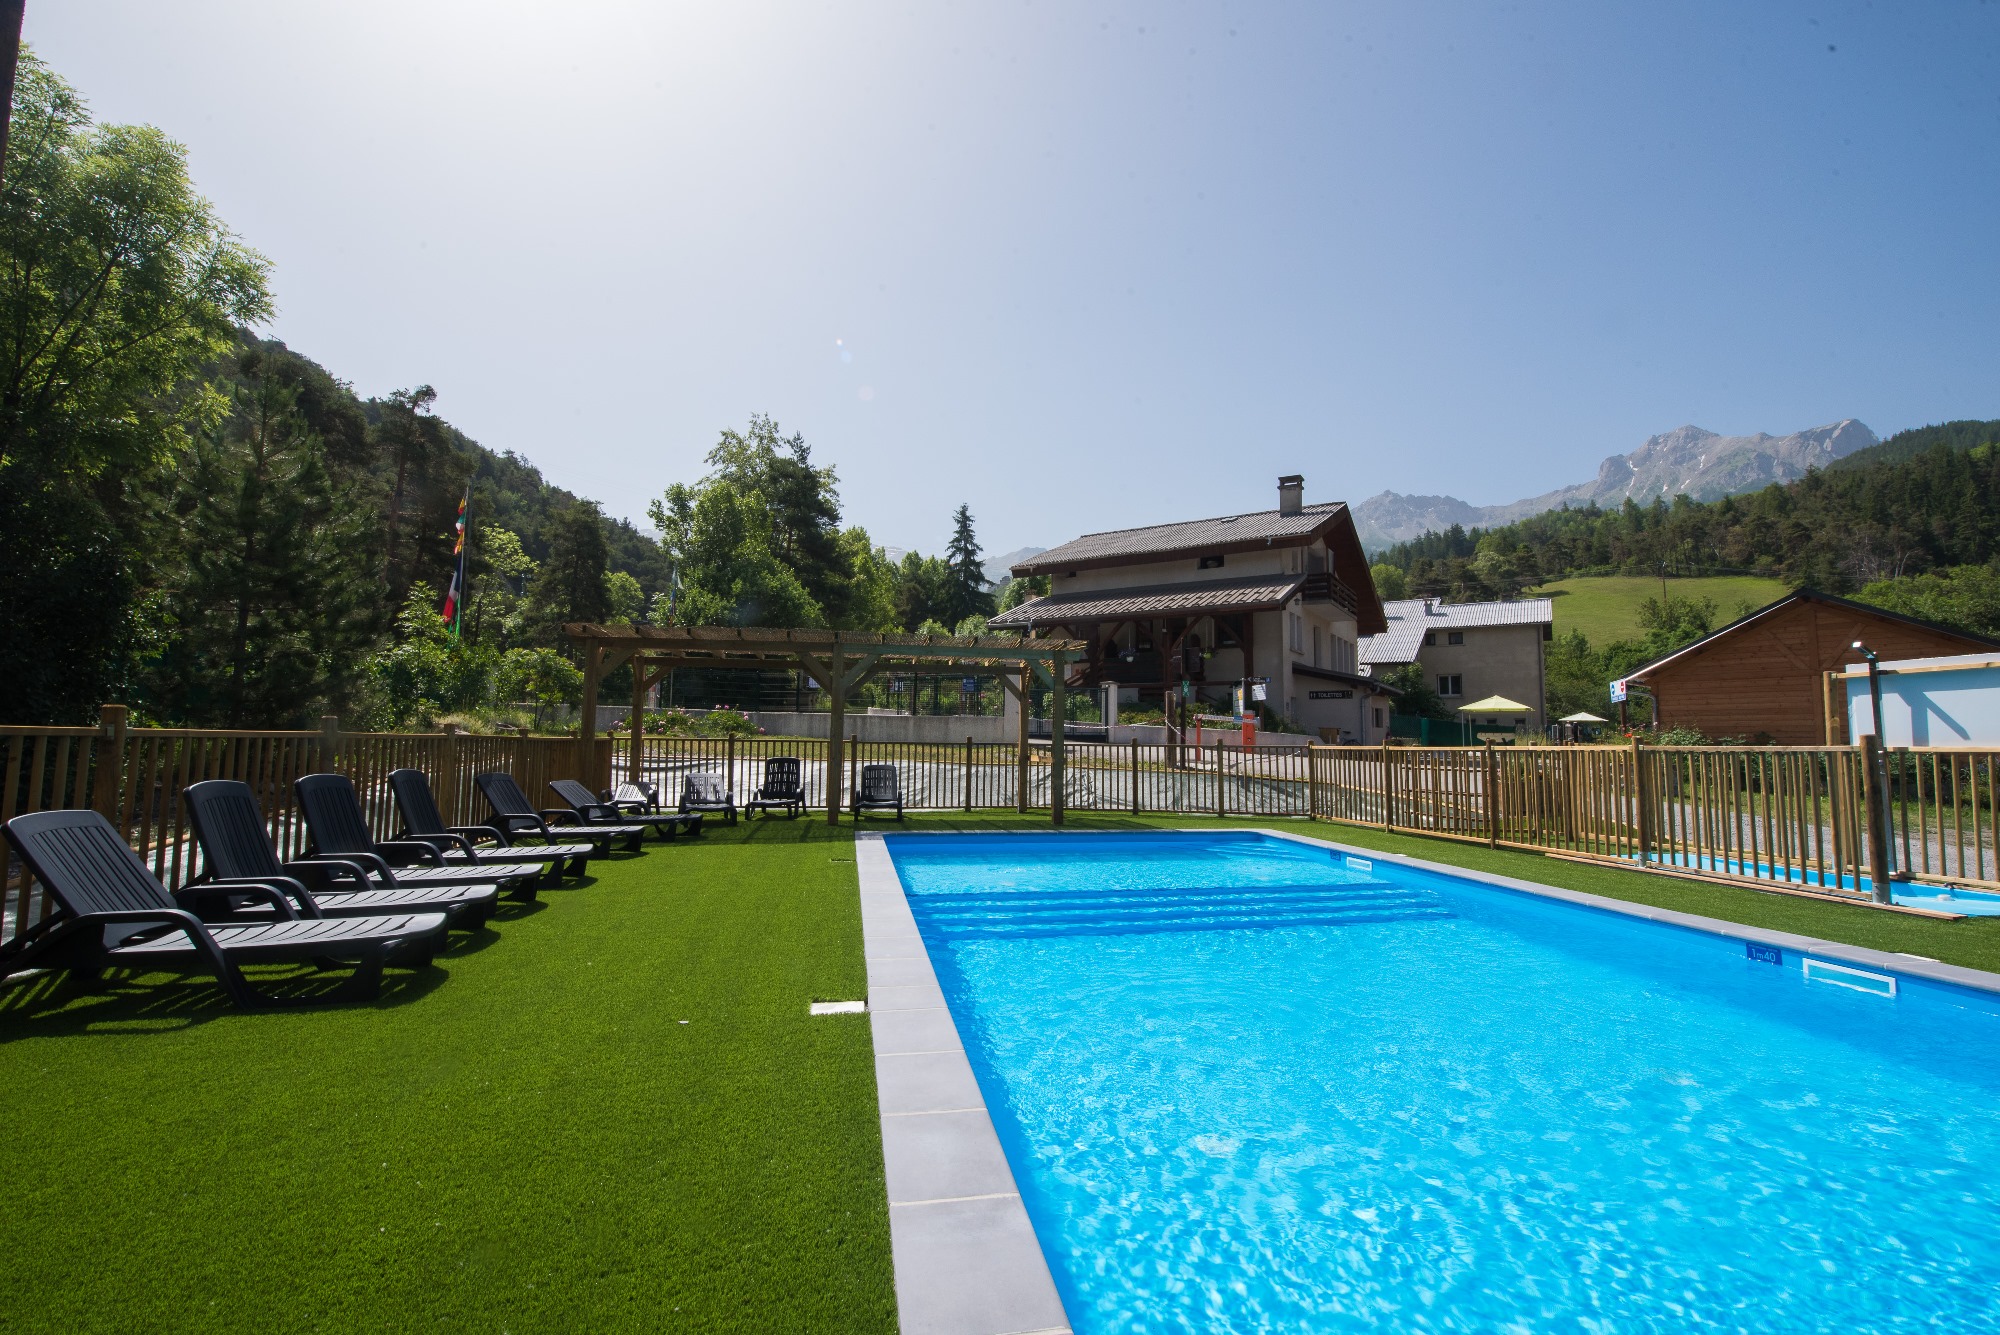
{"type": "Point", "coordinates": [1312, 782]}
{"type": "Point", "coordinates": [968, 774]}
{"type": "Point", "coordinates": [854, 766]}
{"type": "Point", "coordinates": [1135, 778]}
{"type": "Point", "coordinates": [1492, 799]}
{"type": "Point", "coordinates": [1875, 798]}
{"type": "Point", "coordinates": [729, 764]}
{"type": "Point", "coordinates": [108, 780]}
{"type": "Point", "coordinates": [1021, 743]}
{"type": "Point", "coordinates": [1642, 795]}
{"type": "Point", "coordinates": [448, 775]}
{"type": "Point", "coordinates": [1388, 791]}
{"type": "Point", "coordinates": [1219, 805]}
{"type": "Point", "coordinates": [329, 742]}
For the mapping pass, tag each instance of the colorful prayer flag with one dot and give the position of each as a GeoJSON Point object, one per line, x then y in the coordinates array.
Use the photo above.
{"type": "Point", "coordinates": [454, 598]}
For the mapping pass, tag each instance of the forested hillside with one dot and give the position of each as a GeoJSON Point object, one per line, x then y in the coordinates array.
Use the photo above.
{"type": "Point", "coordinates": [1921, 499]}
{"type": "Point", "coordinates": [212, 528]}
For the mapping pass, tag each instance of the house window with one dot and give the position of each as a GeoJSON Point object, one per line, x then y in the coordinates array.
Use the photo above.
{"type": "Point", "coordinates": [1451, 685]}
{"type": "Point", "coordinates": [1430, 638]}
{"type": "Point", "coordinates": [1316, 662]}
{"type": "Point", "coordinates": [1378, 716]}
{"type": "Point", "coordinates": [1298, 633]}
{"type": "Point", "coordinates": [1454, 637]}
{"type": "Point", "coordinates": [1211, 562]}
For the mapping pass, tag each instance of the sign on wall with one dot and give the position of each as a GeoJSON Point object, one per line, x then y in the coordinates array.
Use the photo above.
{"type": "Point", "coordinates": [1329, 695]}
{"type": "Point", "coordinates": [1618, 691]}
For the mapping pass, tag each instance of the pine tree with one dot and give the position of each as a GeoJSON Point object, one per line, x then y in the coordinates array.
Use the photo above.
{"type": "Point", "coordinates": [967, 594]}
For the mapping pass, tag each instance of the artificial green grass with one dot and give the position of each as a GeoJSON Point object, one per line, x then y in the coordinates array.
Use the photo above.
{"type": "Point", "coordinates": [1606, 607]}
{"type": "Point", "coordinates": [525, 1138]}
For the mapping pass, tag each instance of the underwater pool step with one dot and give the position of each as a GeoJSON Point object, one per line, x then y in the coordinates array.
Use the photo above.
{"type": "Point", "coordinates": [1127, 911]}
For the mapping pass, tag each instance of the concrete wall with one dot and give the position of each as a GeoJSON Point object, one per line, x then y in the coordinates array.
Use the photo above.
{"type": "Point", "coordinates": [1943, 706]}
{"type": "Point", "coordinates": [1494, 660]}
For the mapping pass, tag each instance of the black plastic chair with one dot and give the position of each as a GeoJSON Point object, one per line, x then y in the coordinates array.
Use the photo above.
{"type": "Point", "coordinates": [593, 812]}
{"type": "Point", "coordinates": [229, 829]}
{"type": "Point", "coordinates": [516, 815]}
{"type": "Point", "coordinates": [783, 788]}
{"type": "Point", "coordinates": [880, 789]}
{"type": "Point", "coordinates": [114, 913]}
{"type": "Point", "coordinates": [704, 791]}
{"type": "Point", "coordinates": [475, 844]}
{"type": "Point", "coordinates": [338, 828]}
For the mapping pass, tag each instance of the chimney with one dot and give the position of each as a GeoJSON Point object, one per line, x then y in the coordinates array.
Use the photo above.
{"type": "Point", "coordinates": [1291, 494]}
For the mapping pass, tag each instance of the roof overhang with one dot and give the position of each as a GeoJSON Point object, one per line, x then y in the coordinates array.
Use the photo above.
{"type": "Point", "coordinates": [1194, 598]}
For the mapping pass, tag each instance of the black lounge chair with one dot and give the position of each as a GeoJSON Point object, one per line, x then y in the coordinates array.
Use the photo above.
{"type": "Point", "coordinates": [706, 791]}
{"type": "Point", "coordinates": [879, 790]}
{"type": "Point", "coordinates": [513, 813]}
{"type": "Point", "coordinates": [783, 788]}
{"type": "Point", "coordinates": [115, 914]}
{"type": "Point", "coordinates": [591, 811]}
{"type": "Point", "coordinates": [337, 828]}
{"type": "Point", "coordinates": [229, 829]}
{"type": "Point", "coordinates": [476, 844]}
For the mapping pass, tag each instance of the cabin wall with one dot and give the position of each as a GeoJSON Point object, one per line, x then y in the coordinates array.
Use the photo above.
{"type": "Point", "coordinates": [1766, 681]}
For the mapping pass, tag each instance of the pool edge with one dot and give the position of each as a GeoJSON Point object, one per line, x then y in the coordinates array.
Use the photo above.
{"type": "Point", "coordinates": [966, 1257]}
{"type": "Point", "coordinates": [1914, 966]}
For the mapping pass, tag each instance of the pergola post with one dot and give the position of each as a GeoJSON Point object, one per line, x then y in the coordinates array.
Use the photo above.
{"type": "Point", "coordinates": [586, 732]}
{"type": "Point", "coordinates": [836, 722]}
{"type": "Point", "coordinates": [1021, 742]}
{"type": "Point", "coordinates": [634, 765]}
{"type": "Point", "coordinates": [1058, 672]}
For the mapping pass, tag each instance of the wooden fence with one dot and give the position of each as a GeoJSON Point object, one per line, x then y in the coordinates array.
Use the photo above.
{"type": "Point", "coordinates": [1781, 816]}
{"type": "Point", "coordinates": [135, 776]}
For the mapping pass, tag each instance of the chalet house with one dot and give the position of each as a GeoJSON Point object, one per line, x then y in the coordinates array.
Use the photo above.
{"type": "Point", "coordinates": [1764, 677]}
{"type": "Point", "coordinates": [1279, 598]}
{"type": "Point", "coordinates": [1470, 651]}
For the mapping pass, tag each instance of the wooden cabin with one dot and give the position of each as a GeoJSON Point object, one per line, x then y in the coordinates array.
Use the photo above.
{"type": "Point", "coordinates": [1764, 677]}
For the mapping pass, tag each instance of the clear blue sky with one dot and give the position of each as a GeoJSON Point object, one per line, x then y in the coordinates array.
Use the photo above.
{"type": "Point", "coordinates": [1090, 265]}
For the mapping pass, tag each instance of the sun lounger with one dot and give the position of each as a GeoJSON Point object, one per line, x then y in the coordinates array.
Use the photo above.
{"type": "Point", "coordinates": [879, 790]}
{"type": "Point", "coordinates": [113, 913]}
{"type": "Point", "coordinates": [476, 844]}
{"type": "Point", "coordinates": [516, 815]}
{"type": "Point", "coordinates": [229, 829]}
{"type": "Point", "coordinates": [783, 788]}
{"type": "Point", "coordinates": [338, 829]}
{"type": "Point", "coordinates": [705, 791]}
{"type": "Point", "coordinates": [591, 811]}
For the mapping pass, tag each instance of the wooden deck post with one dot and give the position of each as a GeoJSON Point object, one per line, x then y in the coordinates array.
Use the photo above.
{"type": "Point", "coordinates": [1058, 707]}
{"type": "Point", "coordinates": [1642, 798]}
{"type": "Point", "coordinates": [1388, 791]}
{"type": "Point", "coordinates": [1875, 798]}
{"type": "Point", "coordinates": [329, 741]}
{"type": "Point", "coordinates": [836, 687]}
{"type": "Point", "coordinates": [1492, 799]}
{"type": "Point", "coordinates": [107, 780]}
{"type": "Point", "coordinates": [449, 780]}
{"type": "Point", "coordinates": [635, 763]}
{"type": "Point", "coordinates": [1021, 741]}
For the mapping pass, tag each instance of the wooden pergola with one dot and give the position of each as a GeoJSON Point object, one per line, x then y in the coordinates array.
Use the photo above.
{"type": "Point", "coordinates": [839, 660]}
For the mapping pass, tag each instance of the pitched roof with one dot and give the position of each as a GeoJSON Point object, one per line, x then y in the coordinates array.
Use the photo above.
{"type": "Point", "coordinates": [1195, 596]}
{"type": "Point", "coordinates": [1638, 674]}
{"type": "Point", "coordinates": [1409, 618]}
{"type": "Point", "coordinates": [1189, 537]}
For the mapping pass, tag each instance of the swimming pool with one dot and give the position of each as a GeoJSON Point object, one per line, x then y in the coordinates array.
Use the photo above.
{"type": "Point", "coordinates": [1247, 1082]}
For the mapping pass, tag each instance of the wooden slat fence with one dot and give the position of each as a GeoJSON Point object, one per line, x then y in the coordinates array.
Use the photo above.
{"type": "Point", "coordinates": [135, 776]}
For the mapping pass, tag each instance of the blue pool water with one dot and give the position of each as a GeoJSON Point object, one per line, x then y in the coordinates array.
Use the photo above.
{"type": "Point", "coordinates": [1245, 1085]}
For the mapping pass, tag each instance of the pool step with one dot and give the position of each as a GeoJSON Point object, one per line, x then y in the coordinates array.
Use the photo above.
{"type": "Point", "coordinates": [1220, 908]}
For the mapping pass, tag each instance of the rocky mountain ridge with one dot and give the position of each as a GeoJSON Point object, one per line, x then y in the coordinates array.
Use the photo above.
{"type": "Point", "coordinates": [1685, 461]}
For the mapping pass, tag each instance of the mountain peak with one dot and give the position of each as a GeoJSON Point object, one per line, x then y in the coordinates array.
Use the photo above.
{"type": "Point", "coordinates": [1686, 461]}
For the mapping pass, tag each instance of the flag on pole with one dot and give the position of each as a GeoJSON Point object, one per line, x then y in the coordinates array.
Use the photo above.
{"type": "Point", "coordinates": [454, 598]}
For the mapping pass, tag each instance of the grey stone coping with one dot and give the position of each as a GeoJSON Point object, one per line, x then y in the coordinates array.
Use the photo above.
{"type": "Point", "coordinates": [1913, 966]}
{"type": "Point", "coordinates": [966, 1256]}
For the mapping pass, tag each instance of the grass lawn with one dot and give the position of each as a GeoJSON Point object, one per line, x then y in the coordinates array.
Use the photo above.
{"type": "Point", "coordinates": [527, 1138]}
{"type": "Point", "coordinates": [1606, 607]}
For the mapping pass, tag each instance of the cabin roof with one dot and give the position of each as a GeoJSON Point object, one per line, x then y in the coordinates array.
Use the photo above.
{"type": "Point", "coordinates": [1409, 618]}
{"type": "Point", "coordinates": [1189, 597]}
{"type": "Point", "coordinates": [1261, 528]}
